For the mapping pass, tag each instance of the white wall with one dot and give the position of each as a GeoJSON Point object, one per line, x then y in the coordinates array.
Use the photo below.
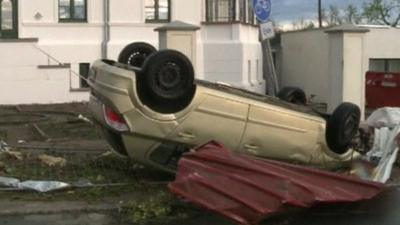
{"type": "Point", "coordinates": [232, 54]}
{"type": "Point", "coordinates": [333, 66]}
{"type": "Point", "coordinates": [23, 83]}
{"type": "Point", "coordinates": [224, 52]}
{"type": "Point", "coordinates": [334, 86]}
{"type": "Point", "coordinates": [305, 62]}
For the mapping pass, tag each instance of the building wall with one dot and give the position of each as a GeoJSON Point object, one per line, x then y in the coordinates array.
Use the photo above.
{"type": "Point", "coordinates": [237, 61]}
{"type": "Point", "coordinates": [228, 53]}
{"type": "Point", "coordinates": [304, 63]}
{"type": "Point", "coordinates": [382, 43]}
{"type": "Point", "coordinates": [333, 66]}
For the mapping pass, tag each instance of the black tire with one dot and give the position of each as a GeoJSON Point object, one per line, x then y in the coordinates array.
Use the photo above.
{"type": "Point", "coordinates": [166, 82]}
{"type": "Point", "coordinates": [293, 95]}
{"type": "Point", "coordinates": [342, 126]}
{"type": "Point", "coordinates": [135, 54]}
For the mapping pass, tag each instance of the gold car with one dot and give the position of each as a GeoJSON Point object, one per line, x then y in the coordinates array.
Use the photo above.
{"type": "Point", "coordinates": [156, 113]}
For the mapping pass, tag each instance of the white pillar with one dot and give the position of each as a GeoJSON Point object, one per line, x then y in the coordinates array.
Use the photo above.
{"type": "Point", "coordinates": [346, 66]}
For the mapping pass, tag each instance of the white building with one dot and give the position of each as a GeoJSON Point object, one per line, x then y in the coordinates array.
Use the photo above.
{"type": "Point", "coordinates": [44, 42]}
{"type": "Point", "coordinates": [332, 63]}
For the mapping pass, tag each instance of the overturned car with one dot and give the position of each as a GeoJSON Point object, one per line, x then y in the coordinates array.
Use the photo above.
{"type": "Point", "coordinates": [157, 112]}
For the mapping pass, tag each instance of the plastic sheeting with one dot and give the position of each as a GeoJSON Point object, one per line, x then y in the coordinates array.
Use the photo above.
{"type": "Point", "coordinates": [386, 122]}
{"type": "Point", "coordinates": [39, 186]}
{"type": "Point", "coordinates": [384, 117]}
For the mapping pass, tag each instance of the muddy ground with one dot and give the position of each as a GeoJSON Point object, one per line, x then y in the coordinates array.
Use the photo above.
{"type": "Point", "coordinates": [123, 192]}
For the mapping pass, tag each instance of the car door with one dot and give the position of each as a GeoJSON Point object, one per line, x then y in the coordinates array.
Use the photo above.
{"type": "Point", "coordinates": [216, 118]}
{"type": "Point", "coordinates": [274, 132]}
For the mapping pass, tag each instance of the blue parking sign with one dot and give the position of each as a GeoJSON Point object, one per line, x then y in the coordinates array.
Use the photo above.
{"type": "Point", "coordinates": [262, 9]}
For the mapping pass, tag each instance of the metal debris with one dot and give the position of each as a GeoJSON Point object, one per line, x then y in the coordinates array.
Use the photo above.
{"type": "Point", "coordinates": [260, 188]}
{"type": "Point", "coordinates": [43, 186]}
{"type": "Point", "coordinates": [85, 119]}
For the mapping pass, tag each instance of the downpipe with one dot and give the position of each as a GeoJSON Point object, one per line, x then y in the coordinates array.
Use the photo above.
{"type": "Point", "coordinates": [106, 29]}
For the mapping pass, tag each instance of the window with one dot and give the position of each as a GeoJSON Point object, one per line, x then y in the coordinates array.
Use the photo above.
{"type": "Point", "coordinates": [385, 65]}
{"type": "Point", "coordinates": [250, 13]}
{"type": "Point", "coordinates": [220, 10]}
{"type": "Point", "coordinates": [72, 10]}
{"type": "Point", "coordinates": [158, 10]}
{"type": "Point", "coordinates": [6, 13]}
{"type": "Point", "coordinates": [84, 72]}
{"type": "Point", "coordinates": [225, 11]}
{"type": "Point", "coordinates": [246, 12]}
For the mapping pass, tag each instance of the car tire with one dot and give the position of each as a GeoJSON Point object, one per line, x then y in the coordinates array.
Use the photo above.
{"type": "Point", "coordinates": [167, 81]}
{"type": "Point", "coordinates": [342, 126]}
{"type": "Point", "coordinates": [135, 54]}
{"type": "Point", "coordinates": [293, 95]}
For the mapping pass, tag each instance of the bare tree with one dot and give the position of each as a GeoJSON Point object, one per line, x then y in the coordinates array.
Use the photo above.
{"type": "Point", "coordinates": [334, 17]}
{"type": "Point", "coordinates": [352, 14]}
{"type": "Point", "coordinates": [384, 12]}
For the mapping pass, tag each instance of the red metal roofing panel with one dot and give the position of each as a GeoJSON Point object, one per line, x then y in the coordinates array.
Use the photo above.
{"type": "Point", "coordinates": [247, 190]}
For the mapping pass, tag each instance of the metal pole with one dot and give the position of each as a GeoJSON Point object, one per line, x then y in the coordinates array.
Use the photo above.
{"type": "Point", "coordinates": [320, 13]}
{"type": "Point", "coordinates": [269, 72]}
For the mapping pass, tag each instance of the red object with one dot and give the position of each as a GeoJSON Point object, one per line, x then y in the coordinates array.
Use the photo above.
{"type": "Point", "coordinates": [248, 190]}
{"type": "Point", "coordinates": [113, 116]}
{"type": "Point", "coordinates": [382, 89]}
{"type": "Point", "coordinates": [115, 120]}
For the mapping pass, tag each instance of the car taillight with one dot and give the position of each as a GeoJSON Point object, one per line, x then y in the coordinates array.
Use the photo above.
{"type": "Point", "coordinates": [114, 119]}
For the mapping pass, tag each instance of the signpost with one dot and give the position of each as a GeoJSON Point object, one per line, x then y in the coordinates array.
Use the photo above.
{"type": "Point", "coordinates": [267, 31]}
{"type": "Point", "coordinates": [262, 10]}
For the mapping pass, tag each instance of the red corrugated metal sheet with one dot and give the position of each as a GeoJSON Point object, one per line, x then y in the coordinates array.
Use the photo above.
{"type": "Point", "coordinates": [247, 190]}
{"type": "Point", "coordinates": [382, 89]}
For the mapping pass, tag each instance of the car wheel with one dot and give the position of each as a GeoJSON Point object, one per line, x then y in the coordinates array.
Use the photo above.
{"type": "Point", "coordinates": [342, 126]}
{"type": "Point", "coordinates": [293, 95]}
{"type": "Point", "coordinates": [136, 54]}
{"type": "Point", "coordinates": [167, 81]}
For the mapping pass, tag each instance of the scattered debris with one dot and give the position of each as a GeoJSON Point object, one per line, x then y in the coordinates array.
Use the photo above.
{"type": "Point", "coordinates": [39, 186]}
{"type": "Point", "coordinates": [384, 117]}
{"type": "Point", "coordinates": [43, 186]}
{"type": "Point", "coordinates": [85, 119]}
{"type": "Point", "coordinates": [12, 155]}
{"type": "Point", "coordinates": [40, 132]}
{"type": "Point", "coordinates": [52, 161]}
{"type": "Point", "coordinates": [386, 122]}
{"type": "Point", "coordinates": [260, 188]}
{"type": "Point", "coordinates": [4, 146]}
{"type": "Point", "coordinates": [9, 182]}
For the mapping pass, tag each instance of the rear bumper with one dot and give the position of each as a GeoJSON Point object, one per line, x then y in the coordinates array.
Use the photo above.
{"type": "Point", "coordinates": [143, 149]}
{"type": "Point", "coordinates": [113, 138]}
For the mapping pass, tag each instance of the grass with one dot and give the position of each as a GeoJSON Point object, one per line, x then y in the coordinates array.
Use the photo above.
{"type": "Point", "coordinates": [158, 209]}
{"type": "Point", "coordinates": [98, 169]}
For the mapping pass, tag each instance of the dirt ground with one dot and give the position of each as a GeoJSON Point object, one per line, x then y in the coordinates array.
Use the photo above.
{"type": "Point", "coordinates": [123, 189]}
{"type": "Point", "coordinates": [123, 192]}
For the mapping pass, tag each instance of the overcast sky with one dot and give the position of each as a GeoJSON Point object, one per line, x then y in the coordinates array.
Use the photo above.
{"type": "Point", "coordinates": [285, 11]}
